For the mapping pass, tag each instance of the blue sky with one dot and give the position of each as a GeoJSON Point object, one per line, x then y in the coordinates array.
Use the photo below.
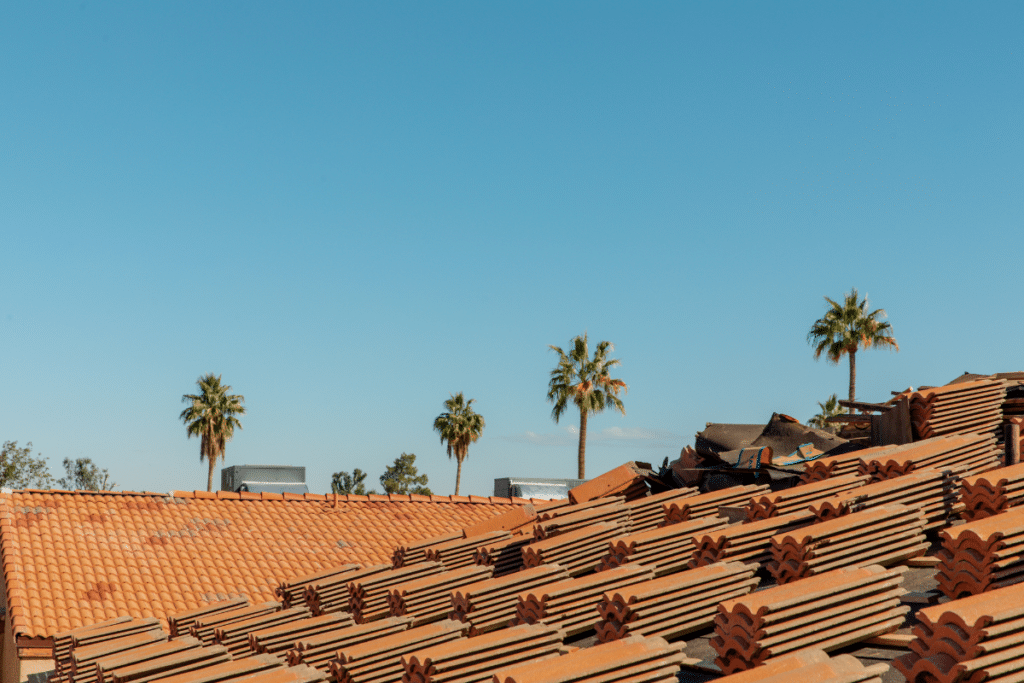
{"type": "Point", "coordinates": [352, 210]}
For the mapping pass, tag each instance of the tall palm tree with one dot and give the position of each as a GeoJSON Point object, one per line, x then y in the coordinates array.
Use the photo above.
{"type": "Point", "coordinates": [212, 416]}
{"type": "Point", "coordinates": [586, 382]}
{"type": "Point", "coordinates": [459, 427]}
{"type": "Point", "coordinates": [848, 327]}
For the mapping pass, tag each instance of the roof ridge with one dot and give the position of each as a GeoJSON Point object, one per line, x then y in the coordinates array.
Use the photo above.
{"type": "Point", "coordinates": [305, 497]}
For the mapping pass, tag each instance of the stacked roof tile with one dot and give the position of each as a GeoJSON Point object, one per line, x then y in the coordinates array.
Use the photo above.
{"type": "Point", "coordinates": [635, 659]}
{"type": "Point", "coordinates": [565, 520]}
{"type": "Point", "coordinates": [932, 491]}
{"type": "Point", "coordinates": [969, 454]}
{"type": "Point", "coordinates": [674, 605]}
{"type": "Point", "coordinates": [461, 552]}
{"type": "Point", "coordinates": [978, 638]}
{"type": "Point", "coordinates": [649, 512]}
{"type": "Point", "coordinates": [416, 551]}
{"type": "Point", "coordinates": [982, 555]}
{"type": "Point", "coordinates": [884, 536]}
{"type": "Point", "coordinates": [283, 637]}
{"type": "Point", "coordinates": [368, 595]}
{"type": "Point", "coordinates": [664, 549]}
{"type": "Point", "coordinates": [181, 623]}
{"type": "Point", "coordinates": [428, 598]}
{"type": "Point", "coordinates": [505, 556]}
{"type": "Point", "coordinates": [810, 666]}
{"type": "Point", "coordinates": [964, 408]}
{"type": "Point", "coordinates": [490, 605]}
{"type": "Point", "coordinates": [380, 660]}
{"type": "Point", "coordinates": [235, 635]}
{"type": "Point", "coordinates": [318, 651]}
{"type": "Point", "coordinates": [628, 480]}
{"type": "Point", "coordinates": [834, 465]}
{"type": "Point", "coordinates": [984, 495]}
{"type": "Point", "coordinates": [571, 605]}
{"type": "Point", "coordinates": [750, 543]}
{"type": "Point", "coordinates": [707, 504]}
{"type": "Point", "coordinates": [331, 593]}
{"type": "Point", "coordinates": [579, 551]}
{"type": "Point", "coordinates": [158, 661]}
{"type": "Point", "coordinates": [799, 497]}
{"type": "Point", "coordinates": [65, 643]}
{"type": "Point", "coordinates": [472, 660]}
{"type": "Point", "coordinates": [827, 611]}
{"type": "Point", "coordinates": [205, 627]}
{"type": "Point", "coordinates": [292, 593]}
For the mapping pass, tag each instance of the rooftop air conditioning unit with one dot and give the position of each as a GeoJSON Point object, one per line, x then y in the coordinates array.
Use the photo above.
{"type": "Point", "coordinates": [535, 487]}
{"type": "Point", "coordinates": [264, 479]}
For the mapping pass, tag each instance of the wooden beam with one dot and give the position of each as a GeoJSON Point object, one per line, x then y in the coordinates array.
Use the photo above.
{"type": "Point", "coordinates": [849, 418]}
{"type": "Point", "coordinates": [857, 405]}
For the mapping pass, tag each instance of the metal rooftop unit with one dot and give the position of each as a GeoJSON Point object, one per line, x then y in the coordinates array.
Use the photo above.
{"type": "Point", "coordinates": [535, 487]}
{"type": "Point", "coordinates": [264, 479]}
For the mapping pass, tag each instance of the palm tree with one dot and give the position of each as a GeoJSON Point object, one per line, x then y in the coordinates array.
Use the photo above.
{"type": "Point", "coordinates": [829, 408]}
{"type": "Point", "coordinates": [846, 328]}
{"type": "Point", "coordinates": [459, 427]}
{"type": "Point", "coordinates": [212, 417]}
{"type": "Point", "coordinates": [586, 382]}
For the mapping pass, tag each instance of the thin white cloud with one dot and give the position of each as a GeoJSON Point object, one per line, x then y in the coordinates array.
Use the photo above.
{"type": "Point", "coordinates": [635, 437]}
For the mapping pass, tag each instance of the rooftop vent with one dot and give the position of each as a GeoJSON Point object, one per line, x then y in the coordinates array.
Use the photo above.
{"type": "Point", "coordinates": [535, 487]}
{"type": "Point", "coordinates": [264, 479]}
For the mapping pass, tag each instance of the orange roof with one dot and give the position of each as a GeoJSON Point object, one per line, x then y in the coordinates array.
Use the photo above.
{"type": "Point", "coordinates": [77, 558]}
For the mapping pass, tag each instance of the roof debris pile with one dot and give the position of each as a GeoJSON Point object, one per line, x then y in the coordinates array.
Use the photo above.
{"type": "Point", "coordinates": [635, 659]}
{"type": "Point", "coordinates": [984, 495]}
{"type": "Point", "coordinates": [982, 555]}
{"type": "Point", "coordinates": [883, 535]}
{"type": "Point", "coordinates": [750, 543]}
{"type": "Point", "coordinates": [972, 639]}
{"type": "Point", "coordinates": [490, 605]}
{"type": "Point", "coordinates": [472, 660]}
{"type": "Point", "coordinates": [674, 605]}
{"type": "Point", "coordinates": [665, 549]}
{"type": "Point", "coordinates": [827, 611]}
{"type": "Point", "coordinates": [799, 497]}
{"type": "Point", "coordinates": [571, 605]}
{"type": "Point", "coordinates": [428, 599]}
{"type": "Point", "coordinates": [965, 408]}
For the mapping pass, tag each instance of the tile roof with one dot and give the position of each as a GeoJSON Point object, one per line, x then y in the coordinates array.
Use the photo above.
{"type": "Point", "coordinates": [77, 558]}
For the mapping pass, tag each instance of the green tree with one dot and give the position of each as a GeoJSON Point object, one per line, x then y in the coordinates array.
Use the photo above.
{"type": "Point", "coordinates": [83, 475]}
{"type": "Point", "coordinates": [845, 329]}
{"type": "Point", "coordinates": [403, 478]}
{"type": "Point", "coordinates": [19, 470]}
{"type": "Point", "coordinates": [829, 408]}
{"type": "Point", "coordinates": [459, 427]}
{"type": "Point", "coordinates": [213, 417]}
{"type": "Point", "coordinates": [586, 382]}
{"type": "Point", "coordinates": [344, 483]}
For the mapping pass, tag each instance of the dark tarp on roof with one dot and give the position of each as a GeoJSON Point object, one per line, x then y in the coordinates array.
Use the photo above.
{"type": "Point", "coordinates": [718, 438]}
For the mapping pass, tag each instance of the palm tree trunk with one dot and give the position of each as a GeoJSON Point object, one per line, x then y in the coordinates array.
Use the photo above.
{"type": "Point", "coordinates": [458, 472]}
{"type": "Point", "coordinates": [209, 479]}
{"type": "Point", "coordinates": [581, 458]}
{"type": "Point", "coordinates": [853, 378]}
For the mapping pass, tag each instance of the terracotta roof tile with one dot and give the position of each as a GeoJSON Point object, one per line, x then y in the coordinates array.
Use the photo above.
{"type": "Point", "coordinates": [71, 559]}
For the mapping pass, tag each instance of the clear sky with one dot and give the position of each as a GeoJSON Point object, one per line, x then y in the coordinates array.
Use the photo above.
{"type": "Point", "coordinates": [352, 210]}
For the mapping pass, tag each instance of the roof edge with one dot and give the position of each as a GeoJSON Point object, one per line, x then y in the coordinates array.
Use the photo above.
{"type": "Point", "coordinates": [305, 497]}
